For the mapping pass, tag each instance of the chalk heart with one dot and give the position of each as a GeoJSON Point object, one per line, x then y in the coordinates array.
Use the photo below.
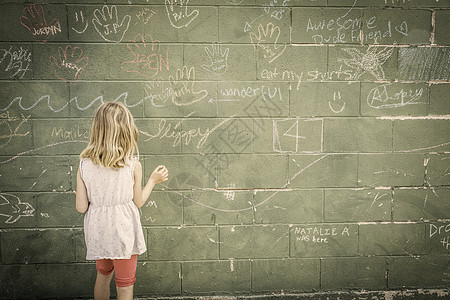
{"type": "Point", "coordinates": [402, 28]}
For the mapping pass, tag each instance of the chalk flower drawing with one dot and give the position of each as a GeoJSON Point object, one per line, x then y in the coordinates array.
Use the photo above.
{"type": "Point", "coordinates": [34, 20]}
{"type": "Point", "coordinates": [13, 209]}
{"type": "Point", "coordinates": [70, 63]}
{"type": "Point", "coordinates": [219, 59]}
{"type": "Point", "coordinates": [267, 40]}
{"type": "Point", "coordinates": [369, 62]}
{"type": "Point", "coordinates": [177, 11]}
{"type": "Point", "coordinates": [107, 24]}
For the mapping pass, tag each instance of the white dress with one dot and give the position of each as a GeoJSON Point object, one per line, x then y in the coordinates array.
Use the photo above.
{"type": "Point", "coordinates": [112, 225]}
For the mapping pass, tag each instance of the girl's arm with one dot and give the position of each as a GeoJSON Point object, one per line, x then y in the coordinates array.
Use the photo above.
{"type": "Point", "coordinates": [140, 195]}
{"type": "Point", "coordinates": [82, 202]}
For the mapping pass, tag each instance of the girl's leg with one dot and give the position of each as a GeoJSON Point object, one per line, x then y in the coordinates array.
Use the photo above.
{"type": "Point", "coordinates": [105, 268]}
{"type": "Point", "coordinates": [125, 277]}
{"type": "Point", "coordinates": [125, 293]}
{"type": "Point", "coordinates": [102, 286]}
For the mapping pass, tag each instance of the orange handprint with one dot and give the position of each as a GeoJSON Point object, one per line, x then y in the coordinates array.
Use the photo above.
{"type": "Point", "coordinates": [147, 58]}
{"type": "Point", "coordinates": [71, 63]}
{"type": "Point", "coordinates": [267, 40]}
{"type": "Point", "coordinates": [34, 20]}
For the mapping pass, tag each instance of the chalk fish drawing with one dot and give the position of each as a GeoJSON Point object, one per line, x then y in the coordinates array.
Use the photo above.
{"type": "Point", "coordinates": [13, 209]}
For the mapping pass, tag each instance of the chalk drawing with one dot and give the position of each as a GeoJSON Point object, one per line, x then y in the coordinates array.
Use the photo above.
{"type": "Point", "coordinates": [107, 24]}
{"type": "Point", "coordinates": [183, 89]}
{"type": "Point", "coordinates": [158, 92]}
{"type": "Point", "coordinates": [9, 128]}
{"type": "Point", "coordinates": [424, 63]}
{"type": "Point", "coordinates": [13, 209]}
{"type": "Point", "coordinates": [17, 60]}
{"type": "Point", "coordinates": [33, 19]}
{"type": "Point", "coordinates": [336, 105]}
{"type": "Point", "coordinates": [218, 58]}
{"type": "Point", "coordinates": [380, 97]}
{"type": "Point", "coordinates": [79, 19]}
{"type": "Point", "coordinates": [145, 14]}
{"type": "Point", "coordinates": [371, 61]}
{"type": "Point", "coordinates": [287, 135]}
{"type": "Point", "coordinates": [70, 63]}
{"type": "Point", "coordinates": [267, 41]}
{"type": "Point", "coordinates": [319, 234]}
{"type": "Point", "coordinates": [147, 58]}
{"type": "Point", "coordinates": [177, 11]}
{"type": "Point", "coordinates": [442, 232]}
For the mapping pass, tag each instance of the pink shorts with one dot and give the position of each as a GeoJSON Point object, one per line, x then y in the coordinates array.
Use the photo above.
{"type": "Point", "coordinates": [125, 269]}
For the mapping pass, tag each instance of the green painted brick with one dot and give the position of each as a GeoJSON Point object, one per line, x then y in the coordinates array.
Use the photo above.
{"type": "Point", "coordinates": [18, 210]}
{"type": "Point", "coordinates": [47, 174]}
{"type": "Point", "coordinates": [158, 278]}
{"type": "Point", "coordinates": [392, 239]}
{"type": "Point", "coordinates": [254, 25]}
{"type": "Point", "coordinates": [326, 26]}
{"type": "Point", "coordinates": [93, 24]}
{"type": "Point", "coordinates": [47, 99]}
{"type": "Point", "coordinates": [162, 208]}
{"type": "Point", "coordinates": [186, 171]}
{"type": "Point", "coordinates": [236, 63]}
{"type": "Point", "coordinates": [255, 99]}
{"type": "Point", "coordinates": [397, 26]}
{"type": "Point", "coordinates": [353, 273]}
{"type": "Point", "coordinates": [322, 170]}
{"type": "Point", "coordinates": [57, 210]}
{"type": "Point", "coordinates": [80, 245]}
{"type": "Point", "coordinates": [320, 240]}
{"type": "Point", "coordinates": [296, 206]}
{"type": "Point", "coordinates": [18, 281]}
{"type": "Point", "coordinates": [325, 99]}
{"type": "Point", "coordinates": [183, 243]}
{"type": "Point", "coordinates": [438, 99]}
{"type": "Point", "coordinates": [291, 135]}
{"type": "Point", "coordinates": [61, 136]}
{"type": "Point", "coordinates": [438, 238]}
{"type": "Point", "coordinates": [357, 205]}
{"type": "Point", "coordinates": [262, 241]}
{"type": "Point", "coordinates": [360, 63]}
{"type": "Point", "coordinates": [418, 204]}
{"type": "Point", "coordinates": [226, 206]}
{"type": "Point", "coordinates": [437, 170]}
{"type": "Point", "coordinates": [394, 99]}
{"type": "Point", "coordinates": [223, 277]}
{"type": "Point", "coordinates": [254, 171]}
{"type": "Point", "coordinates": [421, 135]}
{"type": "Point", "coordinates": [423, 63]}
{"type": "Point", "coordinates": [394, 169]}
{"type": "Point", "coordinates": [357, 135]}
{"type": "Point", "coordinates": [37, 246]}
{"type": "Point", "coordinates": [442, 37]}
{"type": "Point", "coordinates": [288, 275]}
{"type": "Point", "coordinates": [416, 272]}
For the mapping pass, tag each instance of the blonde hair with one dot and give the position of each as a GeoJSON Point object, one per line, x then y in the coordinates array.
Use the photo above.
{"type": "Point", "coordinates": [114, 136]}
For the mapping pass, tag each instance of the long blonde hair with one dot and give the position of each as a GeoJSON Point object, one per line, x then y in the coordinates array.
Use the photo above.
{"type": "Point", "coordinates": [114, 136]}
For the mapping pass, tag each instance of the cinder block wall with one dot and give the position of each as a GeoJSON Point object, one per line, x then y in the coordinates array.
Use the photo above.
{"type": "Point", "coordinates": [307, 142]}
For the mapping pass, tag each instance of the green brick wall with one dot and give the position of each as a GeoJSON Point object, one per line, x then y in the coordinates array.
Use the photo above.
{"type": "Point", "coordinates": [307, 142]}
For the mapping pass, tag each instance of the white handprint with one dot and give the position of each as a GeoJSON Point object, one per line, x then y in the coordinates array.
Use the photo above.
{"type": "Point", "coordinates": [106, 22]}
{"type": "Point", "coordinates": [218, 59]}
{"type": "Point", "coordinates": [177, 12]}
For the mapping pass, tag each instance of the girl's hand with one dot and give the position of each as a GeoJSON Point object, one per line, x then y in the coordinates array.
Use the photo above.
{"type": "Point", "coordinates": [160, 174]}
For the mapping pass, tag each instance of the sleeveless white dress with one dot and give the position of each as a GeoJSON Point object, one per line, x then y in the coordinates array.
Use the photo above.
{"type": "Point", "coordinates": [112, 225]}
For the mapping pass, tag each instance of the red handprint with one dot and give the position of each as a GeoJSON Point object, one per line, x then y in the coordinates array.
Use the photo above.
{"type": "Point", "coordinates": [34, 20]}
{"type": "Point", "coordinates": [147, 58]}
{"type": "Point", "coordinates": [71, 63]}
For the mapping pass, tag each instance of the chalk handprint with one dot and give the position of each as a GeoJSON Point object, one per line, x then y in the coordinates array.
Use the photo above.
{"type": "Point", "coordinates": [71, 63]}
{"type": "Point", "coordinates": [182, 88]}
{"type": "Point", "coordinates": [106, 22]}
{"type": "Point", "coordinates": [218, 59]}
{"type": "Point", "coordinates": [177, 12]}
{"type": "Point", "coordinates": [34, 20]}
{"type": "Point", "coordinates": [147, 59]}
{"type": "Point", "coordinates": [267, 40]}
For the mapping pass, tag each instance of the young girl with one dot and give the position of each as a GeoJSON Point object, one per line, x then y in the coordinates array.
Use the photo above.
{"type": "Point", "coordinates": [109, 192]}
